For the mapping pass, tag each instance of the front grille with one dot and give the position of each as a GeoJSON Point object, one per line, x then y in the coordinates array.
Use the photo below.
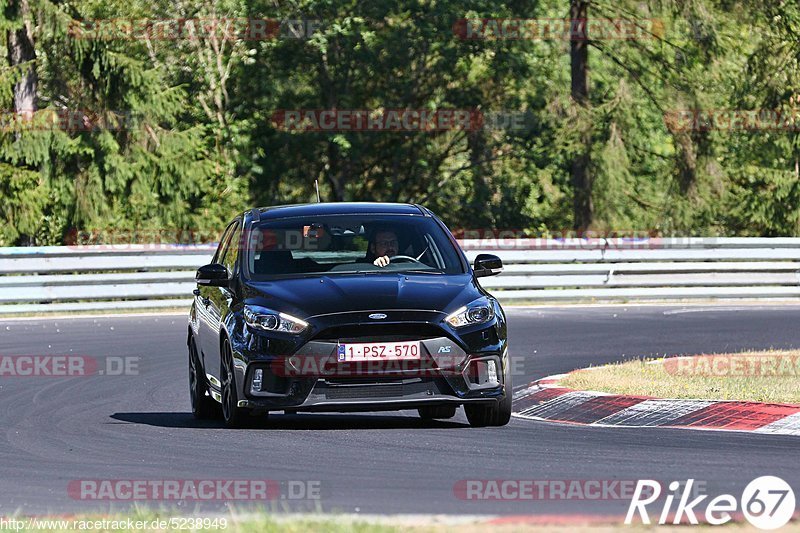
{"type": "Point", "coordinates": [341, 389]}
{"type": "Point", "coordinates": [387, 390]}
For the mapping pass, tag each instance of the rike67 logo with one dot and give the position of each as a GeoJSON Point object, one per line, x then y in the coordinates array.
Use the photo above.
{"type": "Point", "coordinates": [767, 503]}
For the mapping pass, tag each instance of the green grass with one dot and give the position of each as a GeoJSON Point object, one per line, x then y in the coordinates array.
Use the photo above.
{"type": "Point", "coordinates": [266, 523]}
{"type": "Point", "coordinates": [146, 520]}
{"type": "Point", "coordinates": [771, 376]}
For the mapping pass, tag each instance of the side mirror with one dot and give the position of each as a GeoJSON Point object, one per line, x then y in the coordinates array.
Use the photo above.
{"type": "Point", "coordinates": [213, 275]}
{"type": "Point", "coordinates": [487, 265]}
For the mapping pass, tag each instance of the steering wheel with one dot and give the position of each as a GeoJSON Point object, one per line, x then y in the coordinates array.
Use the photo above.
{"type": "Point", "coordinates": [405, 259]}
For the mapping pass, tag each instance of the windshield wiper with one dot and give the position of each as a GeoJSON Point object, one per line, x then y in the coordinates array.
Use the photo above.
{"type": "Point", "coordinates": [412, 271]}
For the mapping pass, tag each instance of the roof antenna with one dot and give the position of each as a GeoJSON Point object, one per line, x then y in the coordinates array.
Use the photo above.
{"type": "Point", "coordinates": [316, 186]}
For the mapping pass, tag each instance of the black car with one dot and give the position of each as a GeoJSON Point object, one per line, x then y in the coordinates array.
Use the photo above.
{"type": "Point", "coordinates": [346, 307]}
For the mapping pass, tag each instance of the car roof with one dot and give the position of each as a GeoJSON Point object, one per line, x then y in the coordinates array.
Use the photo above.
{"type": "Point", "coordinates": [339, 208]}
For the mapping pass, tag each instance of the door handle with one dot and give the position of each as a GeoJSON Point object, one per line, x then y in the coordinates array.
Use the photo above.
{"type": "Point", "coordinates": [206, 302]}
{"type": "Point", "coordinates": [196, 292]}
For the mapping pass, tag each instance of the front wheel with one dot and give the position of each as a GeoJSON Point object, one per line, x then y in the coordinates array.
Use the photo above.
{"type": "Point", "coordinates": [233, 415]}
{"type": "Point", "coordinates": [203, 406]}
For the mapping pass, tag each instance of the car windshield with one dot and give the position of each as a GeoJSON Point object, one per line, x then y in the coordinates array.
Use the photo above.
{"type": "Point", "coordinates": [348, 244]}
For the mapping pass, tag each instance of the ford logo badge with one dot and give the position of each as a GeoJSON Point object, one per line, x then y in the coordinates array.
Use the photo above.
{"type": "Point", "coordinates": [377, 316]}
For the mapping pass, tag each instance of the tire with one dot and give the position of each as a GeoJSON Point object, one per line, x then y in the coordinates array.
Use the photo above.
{"type": "Point", "coordinates": [497, 414]}
{"type": "Point", "coordinates": [203, 405]}
{"type": "Point", "coordinates": [233, 415]}
{"type": "Point", "coordinates": [435, 412]}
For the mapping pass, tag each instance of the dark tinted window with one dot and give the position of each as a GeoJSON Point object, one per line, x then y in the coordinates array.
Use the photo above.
{"type": "Point", "coordinates": [223, 243]}
{"type": "Point", "coordinates": [346, 244]}
{"type": "Point", "coordinates": [231, 253]}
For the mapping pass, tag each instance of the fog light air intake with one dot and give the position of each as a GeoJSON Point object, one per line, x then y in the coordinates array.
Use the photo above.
{"type": "Point", "coordinates": [258, 377]}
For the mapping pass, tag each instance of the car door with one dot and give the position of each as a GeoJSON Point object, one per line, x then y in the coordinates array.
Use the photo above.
{"type": "Point", "coordinates": [208, 341]}
{"type": "Point", "coordinates": [221, 298]}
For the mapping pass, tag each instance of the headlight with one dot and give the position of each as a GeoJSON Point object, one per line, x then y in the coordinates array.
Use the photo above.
{"type": "Point", "coordinates": [266, 320]}
{"type": "Point", "coordinates": [477, 312]}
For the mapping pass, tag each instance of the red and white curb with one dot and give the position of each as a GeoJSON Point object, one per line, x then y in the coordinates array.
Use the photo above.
{"type": "Point", "coordinates": [546, 400]}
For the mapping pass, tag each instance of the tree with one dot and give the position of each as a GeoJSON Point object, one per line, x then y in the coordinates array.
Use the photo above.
{"type": "Point", "coordinates": [579, 60]}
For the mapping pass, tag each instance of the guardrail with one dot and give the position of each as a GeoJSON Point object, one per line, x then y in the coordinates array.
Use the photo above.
{"type": "Point", "coordinates": [64, 278]}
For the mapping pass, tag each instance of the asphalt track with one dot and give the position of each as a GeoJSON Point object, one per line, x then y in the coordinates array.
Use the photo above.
{"type": "Point", "coordinates": [58, 429]}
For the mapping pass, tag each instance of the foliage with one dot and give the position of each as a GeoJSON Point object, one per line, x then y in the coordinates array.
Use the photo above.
{"type": "Point", "coordinates": [199, 142]}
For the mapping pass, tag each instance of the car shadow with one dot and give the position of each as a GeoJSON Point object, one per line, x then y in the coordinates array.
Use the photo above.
{"type": "Point", "coordinates": [306, 421]}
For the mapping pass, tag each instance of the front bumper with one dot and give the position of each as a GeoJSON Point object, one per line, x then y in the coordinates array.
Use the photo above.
{"type": "Point", "coordinates": [366, 404]}
{"type": "Point", "coordinates": [302, 373]}
{"type": "Point", "coordinates": [313, 380]}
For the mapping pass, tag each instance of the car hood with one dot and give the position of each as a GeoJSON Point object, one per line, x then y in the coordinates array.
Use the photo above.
{"type": "Point", "coordinates": [309, 297]}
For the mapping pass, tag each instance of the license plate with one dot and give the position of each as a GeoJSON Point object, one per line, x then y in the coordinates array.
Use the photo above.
{"type": "Point", "coordinates": [378, 351]}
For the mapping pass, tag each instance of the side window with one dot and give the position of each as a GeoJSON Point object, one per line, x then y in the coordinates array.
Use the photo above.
{"type": "Point", "coordinates": [223, 242]}
{"type": "Point", "coordinates": [432, 252]}
{"type": "Point", "coordinates": [232, 249]}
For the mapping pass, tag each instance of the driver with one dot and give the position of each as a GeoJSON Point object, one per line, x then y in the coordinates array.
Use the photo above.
{"type": "Point", "coordinates": [383, 247]}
